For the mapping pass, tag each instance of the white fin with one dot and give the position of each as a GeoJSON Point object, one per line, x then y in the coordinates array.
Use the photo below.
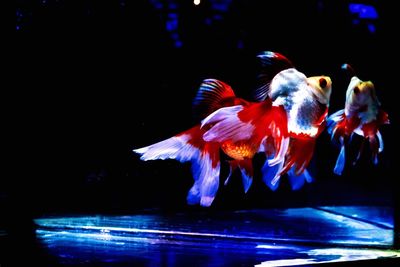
{"type": "Point", "coordinates": [206, 182]}
{"type": "Point", "coordinates": [227, 126]}
{"type": "Point", "coordinates": [175, 147]}
{"type": "Point", "coordinates": [340, 162]}
{"type": "Point", "coordinates": [280, 155]}
{"type": "Point", "coordinates": [380, 139]}
{"type": "Point", "coordinates": [271, 174]}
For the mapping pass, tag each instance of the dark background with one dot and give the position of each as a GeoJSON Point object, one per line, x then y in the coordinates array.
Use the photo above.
{"type": "Point", "coordinates": [96, 80]}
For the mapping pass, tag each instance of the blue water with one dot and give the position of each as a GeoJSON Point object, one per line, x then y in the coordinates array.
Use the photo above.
{"type": "Point", "coordinates": [271, 237]}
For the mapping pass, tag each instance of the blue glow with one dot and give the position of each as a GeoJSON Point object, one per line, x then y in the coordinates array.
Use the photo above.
{"type": "Point", "coordinates": [172, 5]}
{"type": "Point", "coordinates": [157, 4]}
{"type": "Point", "coordinates": [221, 5]}
{"type": "Point", "coordinates": [19, 16]}
{"type": "Point", "coordinates": [333, 255]}
{"type": "Point", "coordinates": [356, 21]}
{"type": "Point", "coordinates": [266, 237]}
{"type": "Point", "coordinates": [171, 25]}
{"type": "Point", "coordinates": [365, 233]}
{"type": "Point", "coordinates": [329, 225]}
{"type": "Point", "coordinates": [217, 17]}
{"type": "Point", "coordinates": [178, 44]}
{"type": "Point", "coordinates": [240, 44]}
{"type": "Point", "coordinates": [379, 216]}
{"type": "Point", "coordinates": [371, 28]}
{"type": "Point", "coordinates": [363, 11]}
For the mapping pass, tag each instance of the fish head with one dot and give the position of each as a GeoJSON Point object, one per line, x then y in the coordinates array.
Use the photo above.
{"type": "Point", "coordinates": [321, 87]}
{"type": "Point", "coordinates": [360, 94]}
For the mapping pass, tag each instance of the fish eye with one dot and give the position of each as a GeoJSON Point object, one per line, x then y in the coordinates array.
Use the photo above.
{"type": "Point", "coordinates": [322, 83]}
{"type": "Point", "coordinates": [356, 90]}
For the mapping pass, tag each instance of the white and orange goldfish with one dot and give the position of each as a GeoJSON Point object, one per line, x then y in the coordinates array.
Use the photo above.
{"type": "Point", "coordinates": [289, 114]}
{"type": "Point", "coordinates": [361, 115]}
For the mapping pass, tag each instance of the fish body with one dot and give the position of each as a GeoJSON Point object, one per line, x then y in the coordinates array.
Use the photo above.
{"type": "Point", "coordinates": [306, 102]}
{"type": "Point", "coordinates": [283, 122]}
{"type": "Point", "coordinates": [304, 99]}
{"type": "Point", "coordinates": [231, 124]}
{"type": "Point", "coordinates": [362, 115]}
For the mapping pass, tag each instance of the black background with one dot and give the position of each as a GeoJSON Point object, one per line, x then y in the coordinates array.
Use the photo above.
{"type": "Point", "coordinates": [94, 81]}
{"type": "Point", "coordinates": [93, 87]}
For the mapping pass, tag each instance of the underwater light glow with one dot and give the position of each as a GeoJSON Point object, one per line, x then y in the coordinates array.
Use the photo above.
{"type": "Point", "coordinates": [363, 11]}
{"type": "Point", "coordinates": [196, 2]}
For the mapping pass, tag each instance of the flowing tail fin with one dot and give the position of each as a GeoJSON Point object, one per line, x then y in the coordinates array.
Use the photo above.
{"type": "Point", "coordinates": [341, 129]}
{"type": "Point", "coordinates": [189, 146]}
{"type": "Point", "coordinates": [271, 174]}
{"type": "Point", "coordinates": [335, 122]}
{"type": "Point", "coordinates": [341, 159]}
{"type": "Point", "coordinates": [298, 180]}
{"type": "Point", "coordinates": [299, 155]}
{"type": "Point", "coordinates": [246, 169]}
{"type": "Point", "coordinates": [371, 132]}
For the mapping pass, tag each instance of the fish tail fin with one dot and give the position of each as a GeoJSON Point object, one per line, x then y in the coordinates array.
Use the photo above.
{"type": "Point", "coordinates": [177, 147]}
{"type": "Point", "coordinates": [279, 133]}
{"type": "Point", "coordinates": [348, 69]}
{"type": "Point", "coordinates": [271, 64]}
{"type": "Point", "coordinates": [380, 140]}
{"type": "Point", "coordinates": [335, 124]}
{"type": "Point", "coordinates": [383, 117]}
{"type": "Point", "coordinates": [246, 169]}
{"type": "Point", "coordinates": [298, 180]}
{"type": "Point", "coordinates": [275, 147]}
{"type": "Point", "coordinates": [232, 167]}
{"type": "Point", "coordinates": [372, 133]}
{"type": "Point", "coordinates": [189, 146]}
{"type": "Point", "coordinates": [211, 96]}
{"type": "Point", "coordinates": [271, 174]}
{"type": "Point", "coordinates": [341, 160]}
{"type": "Point", "coordinates": [206, 171]}
{"type": "Point", "coordinates": [374, 146]}
{"type": "Point", "coordinates": [299, 155]}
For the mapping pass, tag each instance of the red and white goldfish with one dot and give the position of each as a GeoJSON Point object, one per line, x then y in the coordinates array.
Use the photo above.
{"type": "Point", "coordinates": [235, 126]}
{"type": "Point", "coordinates": [306, 102]}
{"type": "Point", "coordinates": [280, 125]}
{"type": "Point", "coordinates": [361, 115]}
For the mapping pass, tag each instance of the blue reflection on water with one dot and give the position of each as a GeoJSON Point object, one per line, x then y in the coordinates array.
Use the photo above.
{"type": "Point", "coordinates": [248, 237]}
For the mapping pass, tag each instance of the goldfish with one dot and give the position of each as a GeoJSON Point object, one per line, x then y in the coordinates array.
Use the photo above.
{"type": "Point", "coordinates": [288, 115]}
{"type": "Point", "coordinates": [232, 125]}
{"type": "Point", "coordinates": [362, 115]}
{"type": "Point", "coordinates": [306, 103]}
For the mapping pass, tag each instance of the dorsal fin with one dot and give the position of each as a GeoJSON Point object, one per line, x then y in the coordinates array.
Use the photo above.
{"type": "Point", "coordinates": [271, 64]}
{"type": "Point", "coordinates": [349, 69]}
{"type": "Point", "coordinates": [210, 97]}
